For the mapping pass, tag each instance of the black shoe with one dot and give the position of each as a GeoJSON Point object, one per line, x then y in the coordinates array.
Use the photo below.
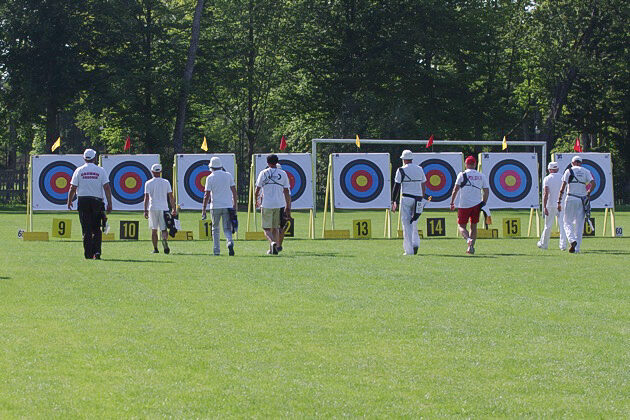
{"type": "Point", "coordinates": [572, 247]}
{"type": "Point", "coordinates": [155, 251]}
{"type": "Point", "coordinates": [279, 248]}
{"type": "Point", "coordinates": [167, 250]}
{"type": "Point", "coordinates": [231, 250]}
{"type": "Point", "coordinates": [274, 248]}
{"type": "Point", "coordinates": [415, 250]}
{"type": "Point", "coordinates": [97, 256]}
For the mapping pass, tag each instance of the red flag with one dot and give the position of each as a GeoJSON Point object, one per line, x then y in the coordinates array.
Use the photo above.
{"type": "Point", "coordinates": [128, 143]}
{"type": "Point", "coordinates": [283, 143]}
{"type": "Point", "coordinates": [430, 142]}
{"type": "Point", "coordinates": [577, 146]}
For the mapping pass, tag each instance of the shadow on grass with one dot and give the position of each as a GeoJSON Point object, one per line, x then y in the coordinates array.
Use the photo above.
{"type": "Point", "coordinates": [607, 251]}
{"type": "Point", "coordinates": [5, 278]}
{"type": "Point", "coordinates": [137, 261]}
{"type": "Point", "coordinates": [460, 256]}
{"type": "Point", "coordinates": [300, 254]}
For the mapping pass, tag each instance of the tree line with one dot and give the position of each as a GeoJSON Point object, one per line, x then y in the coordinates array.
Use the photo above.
{"type": "Point", "coordinates": [243, 73]}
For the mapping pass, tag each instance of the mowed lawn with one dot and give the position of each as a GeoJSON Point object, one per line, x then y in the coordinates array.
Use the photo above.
{"type": "Point", "coordinates": [328, 328]}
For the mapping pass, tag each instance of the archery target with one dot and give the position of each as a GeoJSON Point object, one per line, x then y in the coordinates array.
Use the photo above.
{"type": "Point", "coordinates": [299, 171]}
{"type": "Point", "coordinates": [192, 170]}
{"type": "Point", "coordinates": [51, 180]}
{"type": "Point", "coordinates": [599, 164]}
{"type": "Point", "coordinates": [127, 176]}
{"type": "Point", "coordinates": [361, 180]}
{"type": "Point", "coordinates": [441, 170]}
{"type": "Point", "coordinates": [513, 179]}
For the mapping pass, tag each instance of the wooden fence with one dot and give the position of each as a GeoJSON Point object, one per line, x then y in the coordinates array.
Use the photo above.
{"type": "Point", "coordinates": [13, 185]}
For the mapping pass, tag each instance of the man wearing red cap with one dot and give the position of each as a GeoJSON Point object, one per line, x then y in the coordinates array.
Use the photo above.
{"type": "Point", "coordinates": [473, 190]}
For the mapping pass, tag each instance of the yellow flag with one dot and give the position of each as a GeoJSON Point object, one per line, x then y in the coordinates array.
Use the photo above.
{"type": "Point", "coordinates": [358, 141]}
{"type": "Point", "coordinates": [204, 145]}
{"type": "Point", "coordinates": [504, 145]}
{"type": "Point", "coordinates": [56, 144]}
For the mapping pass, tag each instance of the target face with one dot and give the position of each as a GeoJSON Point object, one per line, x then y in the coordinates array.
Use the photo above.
{"type": "Point", "coordinates": [195, 179]}
{"type": "Point", "coordinates": [127, 181]}
{"type": "Point", "coordinates": [440, 179]}
{"type": "Point", "coordinates": [54, 181]}
{"type": "Point", "coordinates": [510, 180]}
{"type": "Point", "coordinates": [598, 177]}
{"type": "Point", "coordinates": [361, 180]}
{"type": "Point", "coordinates": [297, 178]}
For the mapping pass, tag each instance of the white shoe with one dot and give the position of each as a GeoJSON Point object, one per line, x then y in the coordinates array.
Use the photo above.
{"type": "Point", "coordinates": [539, 245]}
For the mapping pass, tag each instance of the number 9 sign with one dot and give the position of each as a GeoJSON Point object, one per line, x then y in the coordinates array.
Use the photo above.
{"type": "Point", "coordinates": [62, 228]}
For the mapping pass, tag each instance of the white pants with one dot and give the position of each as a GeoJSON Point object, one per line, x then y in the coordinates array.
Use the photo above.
{"type": "Point", "coordinates": [156, 220]}
{"type": "Point", "coordinates": [574, 220]}
{"type": "Point", "coordinates": [546, 233]}
{"type": "Point", "coordinates": [217, 215]}
{"type": "Point", "coordinates": [411, 238]}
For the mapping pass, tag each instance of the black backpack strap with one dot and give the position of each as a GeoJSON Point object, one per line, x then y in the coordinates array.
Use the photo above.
{"type": "Point", "coordinates": [464, 181]}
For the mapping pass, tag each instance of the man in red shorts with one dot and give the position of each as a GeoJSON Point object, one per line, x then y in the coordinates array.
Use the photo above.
{"type": "Point", "coordinates": [472, 187]}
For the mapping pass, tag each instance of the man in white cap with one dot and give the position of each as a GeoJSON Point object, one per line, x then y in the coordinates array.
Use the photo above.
{"type": "Point", "coordinates": [473, 189]}
{"type": "Point", "coordinates": [157, 194]}
{"type": "Point", "coordinates": [274, 185]}
{"type": "Point", "coordinates": [220, 191]}
{"type": "Point", "coordinates": [88, 183]}
{"type": "Point", "coordinates": [551, 190]}
{"type": "Point", "coordinates": [410, 179]}
{"type": "Point", "coordinates": [580, 184]}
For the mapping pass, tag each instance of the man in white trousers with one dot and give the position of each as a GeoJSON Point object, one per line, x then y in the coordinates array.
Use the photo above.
{"type": "Point", "coordinates": [580, 184]}
{"type": "Point", "coordinates": [410, 179]}
{"type": "Point", "coordinates": [221, 192]}
{"type": "Point", "coordinates": [157, 194]}
{"type": "Point", "coordinates": [551, 190]}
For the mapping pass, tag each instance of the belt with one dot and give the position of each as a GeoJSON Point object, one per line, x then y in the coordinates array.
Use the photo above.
{"type": "Point", "coordinates": [90, 197]}
{"type": "Point", "coordinates": [417, 197]}
{"type": "Point", "coordinates": [576, 196]}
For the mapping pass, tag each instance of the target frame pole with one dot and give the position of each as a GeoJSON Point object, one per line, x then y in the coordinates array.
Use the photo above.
{"type": "Point", "coordinates": [175, 189]}
{"type": "Point", "coordinates": [332, 195]}
{"type": "Point", "coordinates": [29, 197]}
{"type": "Point", "coordinates": [326, 195]}
{"type": "Point", "coordinates": [236, 186]}
{"type": "Point", "coordinates": [249, 196]}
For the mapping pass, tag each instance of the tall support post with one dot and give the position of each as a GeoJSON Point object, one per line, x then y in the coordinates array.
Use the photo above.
{"type": "Point", "coordinates": [332, 194]}
{"type": "Point", "coordinates": [175, 189]}
{"type": "Point", "coordinates": [251, 205]}
{"type": "Point", "coordinates": [236, 186]}
{"type": "Point", "coordinates": [29, 197]}
{"type": "Point", "coordinates": [314, 175]}
{"type": "Point", "coordinates": [327, 194]}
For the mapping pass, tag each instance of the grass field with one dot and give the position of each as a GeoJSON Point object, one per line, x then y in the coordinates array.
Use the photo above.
{"type": "Point", "coordinates": [329, 328]}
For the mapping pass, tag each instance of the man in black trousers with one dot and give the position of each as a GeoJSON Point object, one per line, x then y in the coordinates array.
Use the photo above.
{"type": "Point", "coordinates": [88, 183]}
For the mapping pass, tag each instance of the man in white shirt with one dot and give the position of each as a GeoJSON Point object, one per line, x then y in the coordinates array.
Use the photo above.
{"type": "Point", "coordinates": [274, 185]}
{"type": "Point", "coordinates": [551, 190]}
{"type": "Point", "coordinates": [411, 180]}
{"type": "Point", "coordinates": [88, 183]}
{"type": "Point", "coordinates": [157, 191]}
{"type": "Point", "coordinates": [580, 182]}
{"type": "Point", "coordinates": [472, 187]}
{"type": "Point", "coordinates": [220, 190]}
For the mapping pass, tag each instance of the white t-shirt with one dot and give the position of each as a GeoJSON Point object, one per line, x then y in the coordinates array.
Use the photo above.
{"type": "Point", "coordinates": [413, 180]}
{"type": "Point", "coordinates": [220, 184]}
{"type": "Point", "coordinates": [158, 189]}
{"type": "Point", "coordinates": [578, 185]}
{"type": "Point", "coordinates": [553, 181]}
{"type": "Point", "coordinates": [89, 180]}
{"type": "Point", "coordinates": [470, 194]}
{"type": "Point", "coordinates": [273, 181]}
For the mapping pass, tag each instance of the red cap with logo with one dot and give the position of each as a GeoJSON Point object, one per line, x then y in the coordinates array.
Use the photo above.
{"type": "Point", "coordinates": [470, 160]}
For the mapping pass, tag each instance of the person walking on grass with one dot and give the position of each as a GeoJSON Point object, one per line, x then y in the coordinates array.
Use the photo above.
{"type": "Point", "coordinates": [472, 188]}
{"type": "Point", "coordinates": [220, 191]}
{"type": "Point", "coordinates": [273, 183]}
{"type": "Point", "coordinates": [551, 190]}
{"type": "Point", "coordinates": [156, 193]}
{"type": "Point", "coordinates": [88, 183]}
{"type": "Point", "coordinates": [410, 179]}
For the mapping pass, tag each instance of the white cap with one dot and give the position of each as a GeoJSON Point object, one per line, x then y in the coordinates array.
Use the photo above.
{"type": "Point", "coordinates": [215, 163]}
{"type": "Point", "coordinates": [406, 155]}
{"type": "Point", "coordinates": [156, 167]}
{"type": "Point", "coordinates": [278, 166]}
{"type": "Point", "coordinates": [576, 159]}
{"type": "Point", "coordinates": [89, 154]}
{"type": "Point", "coordinates": [552, 165]}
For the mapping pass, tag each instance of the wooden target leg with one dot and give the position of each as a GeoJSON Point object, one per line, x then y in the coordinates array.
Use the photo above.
{"type": "Point", "coordinates": [605, 221]}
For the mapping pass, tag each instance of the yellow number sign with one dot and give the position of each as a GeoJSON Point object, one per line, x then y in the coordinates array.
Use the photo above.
{"type": "Point", "coordinates": [362, 229]}
{"type": "Point", "coordinates": [62, 228]}
{"type": "Point", "coordinates": [205, 229]}
{"type": "Point", "coordinates": [512, 228]}
{"type": "Point", "coordinates": [436, 226]}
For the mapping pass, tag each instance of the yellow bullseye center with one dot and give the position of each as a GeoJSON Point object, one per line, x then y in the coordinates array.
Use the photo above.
{"type": "Point", "coordinates": [61, 183]}
{"type": "Point", "coordinates": [130, 183]}
{"type": "Point", "coordinates": [435, 180]}
{"type": "Point", "coordinates": [203, 180]}
{"type": "Point", "coordinates": [510, 181]}
{"type": "Point", "coordinates": [362, 181]}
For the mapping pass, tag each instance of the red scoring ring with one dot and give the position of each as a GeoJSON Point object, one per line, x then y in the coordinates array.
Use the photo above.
{"type": "Point", "coordinates": [509, 188]}
{"type": "Point", "coordinates": [124, 187]}
{"type": "Point", "coordinates": [198, 183]}
{"type": "Point", "coordinates": [439, 186]}
{"type": "Point", "coordinates": [357, 186]}
{"type": "Point", "coordinates": [291, 180]}
{"type": "Point", "coordinates": [53, 182]}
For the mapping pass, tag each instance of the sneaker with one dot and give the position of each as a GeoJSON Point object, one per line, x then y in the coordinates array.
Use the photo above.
{"type": "Point", "coordinates": [97, 256]}
{"type": "Point", "coordinates": [167, 250]}
{"type": "Point", "coordinates": [415, 250]}
{"type": "Point", "coordinates": [274, 249]}
{"type": "Point", "coordinates": [572, 247]}
{"type": "Point", "coordinates": [472, 250]}
{"type": "Point", "coordinates": [279, 248]}
{"type": "Point", "coordinates": [155, 251]}
{"type": "Point", "coordinates": [231, 250]}
{"type": "Point", "coordinates": [539, 245]}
